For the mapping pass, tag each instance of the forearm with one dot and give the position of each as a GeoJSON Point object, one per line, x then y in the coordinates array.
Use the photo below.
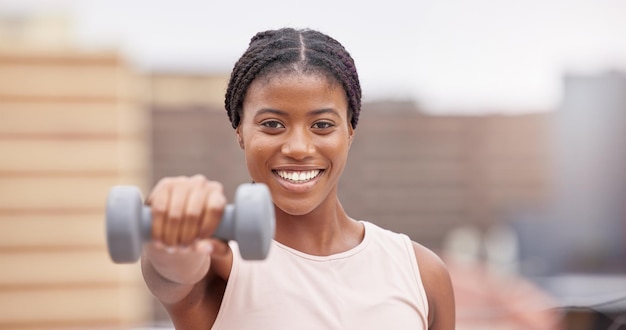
{"type": "Point", "coordinates": [166, 291]}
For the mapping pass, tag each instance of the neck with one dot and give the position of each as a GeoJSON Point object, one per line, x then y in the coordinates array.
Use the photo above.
{"type": "Point", "coordinates": [326, 230]}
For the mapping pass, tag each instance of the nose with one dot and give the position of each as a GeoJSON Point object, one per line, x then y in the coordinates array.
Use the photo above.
{"type": "Point", "coordinates": [299, 145]}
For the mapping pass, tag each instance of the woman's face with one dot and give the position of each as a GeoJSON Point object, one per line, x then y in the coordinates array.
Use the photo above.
{"type": "Point", "coordinates": [295, 133]}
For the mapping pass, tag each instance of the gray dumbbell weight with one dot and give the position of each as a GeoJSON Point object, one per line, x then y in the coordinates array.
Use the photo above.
{"type": "Point", "coordinates": [250, 221]}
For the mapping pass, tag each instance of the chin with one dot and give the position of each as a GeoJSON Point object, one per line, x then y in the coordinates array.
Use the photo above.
{"type": "Point", "coordinates": [295, 208]}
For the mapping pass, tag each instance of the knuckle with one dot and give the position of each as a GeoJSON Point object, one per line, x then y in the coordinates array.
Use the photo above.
{"type": "Point", "coordinates": [173, 181]}
{"type": "Point", "coordinates": [215, 206]}
{"type": "Point", "coordinates": [165, 182]}
{"type": "Point", "coordinates": [199, 178]}
{"type": "Point", "coordinates": [212, 209]}
{"type": "Point", "coordinates": [215, 186]}
{"type": "Point", "coordinates": [178, 181]}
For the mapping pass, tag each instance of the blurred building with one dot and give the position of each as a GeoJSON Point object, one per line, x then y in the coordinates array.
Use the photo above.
{"type": "Point", "coordinates": [71, 126]}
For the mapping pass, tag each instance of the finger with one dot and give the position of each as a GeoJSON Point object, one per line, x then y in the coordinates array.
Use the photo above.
{"type": "Point", "coordinates": [193, 213]}
{"type": "Point", "coordinates": [163, 184]}
{"type": "Point", "coordinates": [175, 212]}
{"type": "Point", "coordinates": [213, 209]}
{"type": "Point", "coordinates": [159, 202]}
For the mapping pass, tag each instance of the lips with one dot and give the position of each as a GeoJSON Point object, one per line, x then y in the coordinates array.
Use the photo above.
{"type": "Point", "coordinates": [297, 177]}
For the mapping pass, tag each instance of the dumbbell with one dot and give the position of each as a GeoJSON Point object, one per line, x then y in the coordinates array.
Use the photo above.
{"type": "Point", "coordinates": [250, 221]}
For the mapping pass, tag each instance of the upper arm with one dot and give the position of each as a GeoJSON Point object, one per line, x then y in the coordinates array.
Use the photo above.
{"type": "Point", "coordinates": [438, 288]}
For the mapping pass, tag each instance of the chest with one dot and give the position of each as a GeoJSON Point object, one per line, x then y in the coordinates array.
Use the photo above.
{"type": "Point", "coordinates": [360, 292]}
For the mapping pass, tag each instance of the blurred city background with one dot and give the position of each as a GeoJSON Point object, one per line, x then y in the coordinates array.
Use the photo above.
{"type": "Point", "coordinates": [493, 133]}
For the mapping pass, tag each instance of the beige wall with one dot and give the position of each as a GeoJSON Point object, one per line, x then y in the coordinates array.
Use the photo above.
{"type": "Point", "coordinates": [180, 91]}
{"type": "Point", "coordinates": [71, 127]}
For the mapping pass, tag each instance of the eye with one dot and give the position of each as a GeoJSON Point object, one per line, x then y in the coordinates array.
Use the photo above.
{"type": "Point", "coordinates": [272, 124]}
{"type": "Point", "coordinates": [323, 124]}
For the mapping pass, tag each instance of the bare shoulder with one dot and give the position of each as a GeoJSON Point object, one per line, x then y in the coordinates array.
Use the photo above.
{"type": "Point", "coordinates": [438, 288]}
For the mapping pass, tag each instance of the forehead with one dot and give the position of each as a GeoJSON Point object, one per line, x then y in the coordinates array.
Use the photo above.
{"type": "Point", "coordinates": [295, 86]}
{"type": "Point", "coordinates": [296, 73]}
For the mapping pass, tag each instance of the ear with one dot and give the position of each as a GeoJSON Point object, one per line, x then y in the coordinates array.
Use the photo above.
{"type": "Point", "coordinates": [351, 135]}
{"type": "Point", "coordinates": [239, 136]}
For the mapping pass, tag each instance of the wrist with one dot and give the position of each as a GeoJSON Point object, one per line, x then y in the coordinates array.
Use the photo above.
{"type": "Point", "coordinates": [180, 265]}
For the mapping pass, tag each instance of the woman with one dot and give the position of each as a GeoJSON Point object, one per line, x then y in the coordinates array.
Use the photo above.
{"type": "Point", "coordinates": [293, 99]}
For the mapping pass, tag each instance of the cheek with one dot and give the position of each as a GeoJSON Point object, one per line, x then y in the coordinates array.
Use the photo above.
{"type": "Point", "coordinates": [257, 148]}
{"type": "Point", "coordinates": [256, 143]}
{"type": "Point", "coordinates": [336, 150]}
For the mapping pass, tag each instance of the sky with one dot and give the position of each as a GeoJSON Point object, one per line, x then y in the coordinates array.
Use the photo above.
{"type": "Point", "coordinates": [454, 56]}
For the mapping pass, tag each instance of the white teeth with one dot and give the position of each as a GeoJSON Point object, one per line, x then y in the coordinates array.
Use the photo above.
{"type": "Point", "coordinates": [298, 176]}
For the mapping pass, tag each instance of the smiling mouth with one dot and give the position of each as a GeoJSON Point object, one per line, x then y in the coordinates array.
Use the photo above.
{"type": "Point", "coordinates": [298, 176]}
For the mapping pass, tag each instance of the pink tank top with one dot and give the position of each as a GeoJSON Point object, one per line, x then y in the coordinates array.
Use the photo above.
{"type": "Point", "coordinates": [375, 285]}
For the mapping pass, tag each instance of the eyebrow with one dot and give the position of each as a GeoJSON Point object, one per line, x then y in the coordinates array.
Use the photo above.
{"type": "Point", "coordinates": [285, 113]}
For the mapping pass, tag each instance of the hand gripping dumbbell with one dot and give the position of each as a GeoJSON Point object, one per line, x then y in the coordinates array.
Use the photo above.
{"type": "Point", "coordinates": [250, 221]}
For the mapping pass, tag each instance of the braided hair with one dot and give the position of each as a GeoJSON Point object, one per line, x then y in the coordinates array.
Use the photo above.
{"type": "Point", "coordinates": [286, 49]}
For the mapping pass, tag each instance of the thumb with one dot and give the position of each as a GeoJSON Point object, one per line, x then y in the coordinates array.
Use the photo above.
{"type": "Point", "coordinates": [219, 248]}
{"type": "Point", "coordinates": [203, 246]}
